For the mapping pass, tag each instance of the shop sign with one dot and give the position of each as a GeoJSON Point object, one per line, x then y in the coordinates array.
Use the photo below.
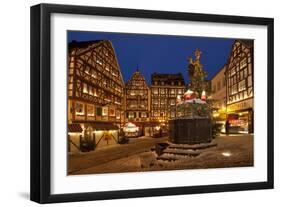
{"type": "Point", "coordinates": [240, 105]}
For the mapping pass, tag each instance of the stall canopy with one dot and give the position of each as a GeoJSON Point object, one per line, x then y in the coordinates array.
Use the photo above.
{"type": "Point", "coordinates": [74, 128]}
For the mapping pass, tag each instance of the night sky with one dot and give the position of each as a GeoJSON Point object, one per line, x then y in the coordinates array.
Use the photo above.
{"type": "Point", "coordinates": [161, 53]}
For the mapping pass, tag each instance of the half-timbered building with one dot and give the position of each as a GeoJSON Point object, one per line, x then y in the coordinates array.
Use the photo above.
{"type": "Point", "coordinates": [95, 92]}
{"type": "Point", "coordinates": [164, 91]}
{"type": "Point", "coordinates": [240, 87]}
{"type": "Point", "coordinates": [137, 101]}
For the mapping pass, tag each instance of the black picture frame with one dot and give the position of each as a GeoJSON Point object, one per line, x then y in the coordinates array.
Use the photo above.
{"type": "Point", "coordinates": [40, 103]}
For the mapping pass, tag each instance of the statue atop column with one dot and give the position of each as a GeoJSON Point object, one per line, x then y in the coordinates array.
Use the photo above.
{"type": "Point", "coordinates": [196, 74]}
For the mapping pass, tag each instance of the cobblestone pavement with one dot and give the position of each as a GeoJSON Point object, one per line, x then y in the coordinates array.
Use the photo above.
{"type": "Point", "coordinates": [231, 151]}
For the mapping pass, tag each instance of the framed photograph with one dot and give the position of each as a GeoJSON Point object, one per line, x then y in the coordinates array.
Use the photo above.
{"type": "Point", "coordinates": [132, 103]}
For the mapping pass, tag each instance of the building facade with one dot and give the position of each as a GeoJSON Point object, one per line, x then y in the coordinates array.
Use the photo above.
{"type": "Point", "coordinates": [240, 87]}
{"type": "Point", "coordinates": [164, 91]}
{"type": "Point", "coordinates": [137, 101]}
{"type": "Point", "coordinates": [95, 93]}
{"type": "Point", "coordinates": [218, 95]}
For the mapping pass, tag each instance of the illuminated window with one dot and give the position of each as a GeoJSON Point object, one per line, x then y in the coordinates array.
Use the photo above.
{"type": "Point", "coordinates": [132, 93]}
{"type": "Point", "coordinates": [179, 91]}
{"type": "Point", "coordinates": [173, 102]}
{"type": "Point", "coordinates": [90, 110]}
{"type": "Point", "coordinates": [232, 71]}
{"type": "Point", "coordinates": [85, 88]}
{"type": "Point", "coordinates": [162, 91]}
{"type": "Point", "coordinates": [117, 114]}
{"type": "Point", "coordinates": [100, 62]}
{"type": "Point", "coordinates": [172, 91]}
{"type": "Point", "coordinates": [79, 108]}
{"type": "Point", "coordinates": [155, 101]}
{"type": "Point", "coordinates": [94, 74]}
{"type": "Point", "coordinates": [131, 115]}
{"type": "Point", "coordinates": [155, 91]}
{"type": "Point", "coordinates": [143, 115]}
{"type": "Point", "coordinates": [104, 111]}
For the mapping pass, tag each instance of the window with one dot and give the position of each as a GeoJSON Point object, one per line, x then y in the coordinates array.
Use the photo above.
{"type": "Point", "coordinates": [241, 75]}
{"type": "Point", "coordinates": [104, 111]}
{"type": "Point", "coordinates": [232, 71]}
{"type": "Point", "coordinates": [245, 73]}
{"type": "Point", "coordinates": [79, 108]}
{"type": "Point", "coordinates": [242, 85]}
{"type": "Point", "coordinates": [132, 93]}
{"type": "Point", "coordinates": [162, 91]}
{"type": "Point", "coordinates": [85, 88]}
{"type": "Point", "coordinates": [243, 63]}
{"type": "Point", "coordinates": [99, 111]}
{"type": "Point", "coordinates": [90, 110]}
{"type": "Point", "coordinates": [173, 102]}
{"type": "Point", "coordinates": [234, 89]}
{"type": "Point", "coordinates": [100, 62]}
{"type": "Point", "coordinates": [172, 91]}
{"type": "Point", "coordinates": [155, 91]}
{"type": "Point", "coordinates": [117, 114]}
{"type": "Point", "coordinates": [94, 74]}
{"type": "Point", "coordinates": [155, 101]}
{"type": "Point", "coordinates": [131, 115]}
{"type": "Point", "coordinates": [143, 115]}
{"type": "Point", "coordinates": [179, 91]}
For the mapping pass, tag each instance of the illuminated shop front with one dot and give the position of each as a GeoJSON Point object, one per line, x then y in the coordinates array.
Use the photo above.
{"type": "Point", "coordinates": [241, 116]}
{"type": "Point", "coordinates": [90, 136]}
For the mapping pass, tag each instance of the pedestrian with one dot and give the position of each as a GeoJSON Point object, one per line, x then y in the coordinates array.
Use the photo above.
{"type": "Point", "coordinates": [227, 124]}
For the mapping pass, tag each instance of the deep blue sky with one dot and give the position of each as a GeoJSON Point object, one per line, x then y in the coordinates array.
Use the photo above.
{"type": "Point", "coordinates": [161, 53]}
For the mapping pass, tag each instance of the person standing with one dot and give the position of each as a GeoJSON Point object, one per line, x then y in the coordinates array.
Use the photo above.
{"type": "Point", "coordinates": [227, 124]}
